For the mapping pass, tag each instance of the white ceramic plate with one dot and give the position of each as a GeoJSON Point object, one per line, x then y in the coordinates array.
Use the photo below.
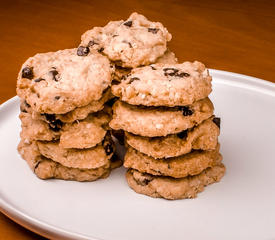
{"type": "Point", "coordinates": [241, 206]}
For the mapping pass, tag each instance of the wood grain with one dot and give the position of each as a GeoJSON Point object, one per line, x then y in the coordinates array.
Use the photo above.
{"type": "Point", "coordinates": [235, 36]}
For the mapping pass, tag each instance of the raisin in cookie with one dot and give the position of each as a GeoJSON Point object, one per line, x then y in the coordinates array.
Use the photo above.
{"type": "Point", "coordinates": [171, 188]}
{"type": "Point", "coordinates": [159, 121]}
{"type": "Point", "coordinates": [58, 82]}
{"type": "Point", "coordinates": [201, 137]}
{"type": "Point", "coordinates": [131, 43]}
{"type": "Point", "coordinates": [165, 85]}
{"type": "Point", "coordinates": [178, 167]}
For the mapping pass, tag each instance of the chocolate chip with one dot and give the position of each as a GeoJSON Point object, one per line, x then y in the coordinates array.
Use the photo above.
{"type": "Point", "coordinates": [153, 30]}
{"type": "Point", "coordinates": [143, 182]}
{"type": "Point", "coordinates": [115, 35]}
{"type": "Point", "coordinates": [27, 105]}
{"type": "Point", "coordinates": [153, 68]}
{"type": "Point", "coordinates": [186, 111]}
{"type": "Point", "coordinates": [168, 166]}
{"type": "Point", "coordinates": [83, 51]}
{"type": "Point", "coordinates": [108, 149]}
{"type": "Point", "coordinates": [146, 181]}
{"type": "Point", "coordinates": [175, 72]}
{"type": "Point", "coordinates": [128, 23]}
{"type": "Point", "coordinates": [38, 95]}
{"type": "Point", "coordinates": [170, 71]}
{"type": "Point", "coordinates": [54, 73]}
{"type": "Point", "coordinates": [111, 101]}
{"type": "Point", "coordinates": [54, 124]}
{"type": "Point", "coordinates": [49, 117]}
{"type": "Point", "coordinates": [183, 74]}
{"type": "Point", "coordinates": [101, 50]}
{"type": "Point", "coordinates": [217, 121]}
{"type": "Point", "coordinates": [27, 72]}
{"type": "Point", "coordinates": [92, 43]}
{"type": "Point", "coordinates": [146, 178]}
{"type": "Point", "coordinates": [39, 79]}
{"type": "Point", "coordinates": [57, 97]}
{"type": "Point", "coordinates": [133, 79]}
{"type": "Point", "coordinates": [182, 134]}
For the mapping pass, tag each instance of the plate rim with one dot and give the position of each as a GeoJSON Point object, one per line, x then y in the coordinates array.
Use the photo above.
{"type": "Point", "coordinates": [50, 231]}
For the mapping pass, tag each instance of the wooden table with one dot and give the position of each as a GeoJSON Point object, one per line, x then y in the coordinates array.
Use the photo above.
{"type": "Point", "coordinates": [235, 36]}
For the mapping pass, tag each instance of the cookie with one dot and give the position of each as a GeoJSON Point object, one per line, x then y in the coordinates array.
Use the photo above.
{"type": "Point", "coordinates": [80, 134]}
{"type": "Point", "coordinates": [98, 156]}
{"type": "Point", "coordinates": [76, 114]}
{"type": "Point", "coordinates": [45, 168]}
{"type": "Point", "coordinates": [165, 85]}
{"type": "Point", "coordinates": [58, 82]}
{"type": "Point", "coordinates": [121, 72]}
{"type": "Point", "coordinates": [86, 133]}
{"type": "Point", "coordinates": [171, 188]}
{"type": "Point", "coordinates": [191, 163]}
{"type": "Point", "coordinates": [201, 137]}
{"type": "Point", "coordinates": [131, 43]}
{"type": "Point", "coordinates": [159, 121]}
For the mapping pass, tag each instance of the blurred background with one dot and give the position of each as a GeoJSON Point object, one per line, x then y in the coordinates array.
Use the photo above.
{"type": "Point", "coordinates": [236, 36]}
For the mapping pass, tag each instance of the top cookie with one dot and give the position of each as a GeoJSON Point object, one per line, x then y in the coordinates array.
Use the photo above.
{"type": "Point", "coordinates": [134, 42]}
{"type": "Point", "coordinates": [165, 85]}
{"type": "Point", "coordinates": [58, 82]}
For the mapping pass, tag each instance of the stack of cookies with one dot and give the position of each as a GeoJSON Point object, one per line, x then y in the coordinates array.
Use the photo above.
{"type": "Point", "coordinates": [171, 134]}
{"type": "Point", "coordinates": [64, 115]}
{"type": "Point", "coordinates": [170, 131]}
{"type": "Point", "coordinates": [161, 107]}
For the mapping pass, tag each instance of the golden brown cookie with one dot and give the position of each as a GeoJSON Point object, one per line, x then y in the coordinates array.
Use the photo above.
{"type": "Point", "coordinates": [131, 43]}
{"type": "Point", "coordinates": [80, 134]}
{"type": "Point", "coordinates": [159, 121]}
{"type": "Point", "coordinates": [201, 137]}
{"type": "Point", "coordinates": [178, 167]}
{"type": "Point", "coordinates": [165, 85]}
{"type": "Point", "coordinates": [45, 168]}
{"type": "Point", "coordinates": [171, 188]}
{"type": "Point", "coordinates": [76, 114]}
{"type": "Point", "coordinates": [58, 82]}
{"type": "Point", "coordinates": [95, 157]}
